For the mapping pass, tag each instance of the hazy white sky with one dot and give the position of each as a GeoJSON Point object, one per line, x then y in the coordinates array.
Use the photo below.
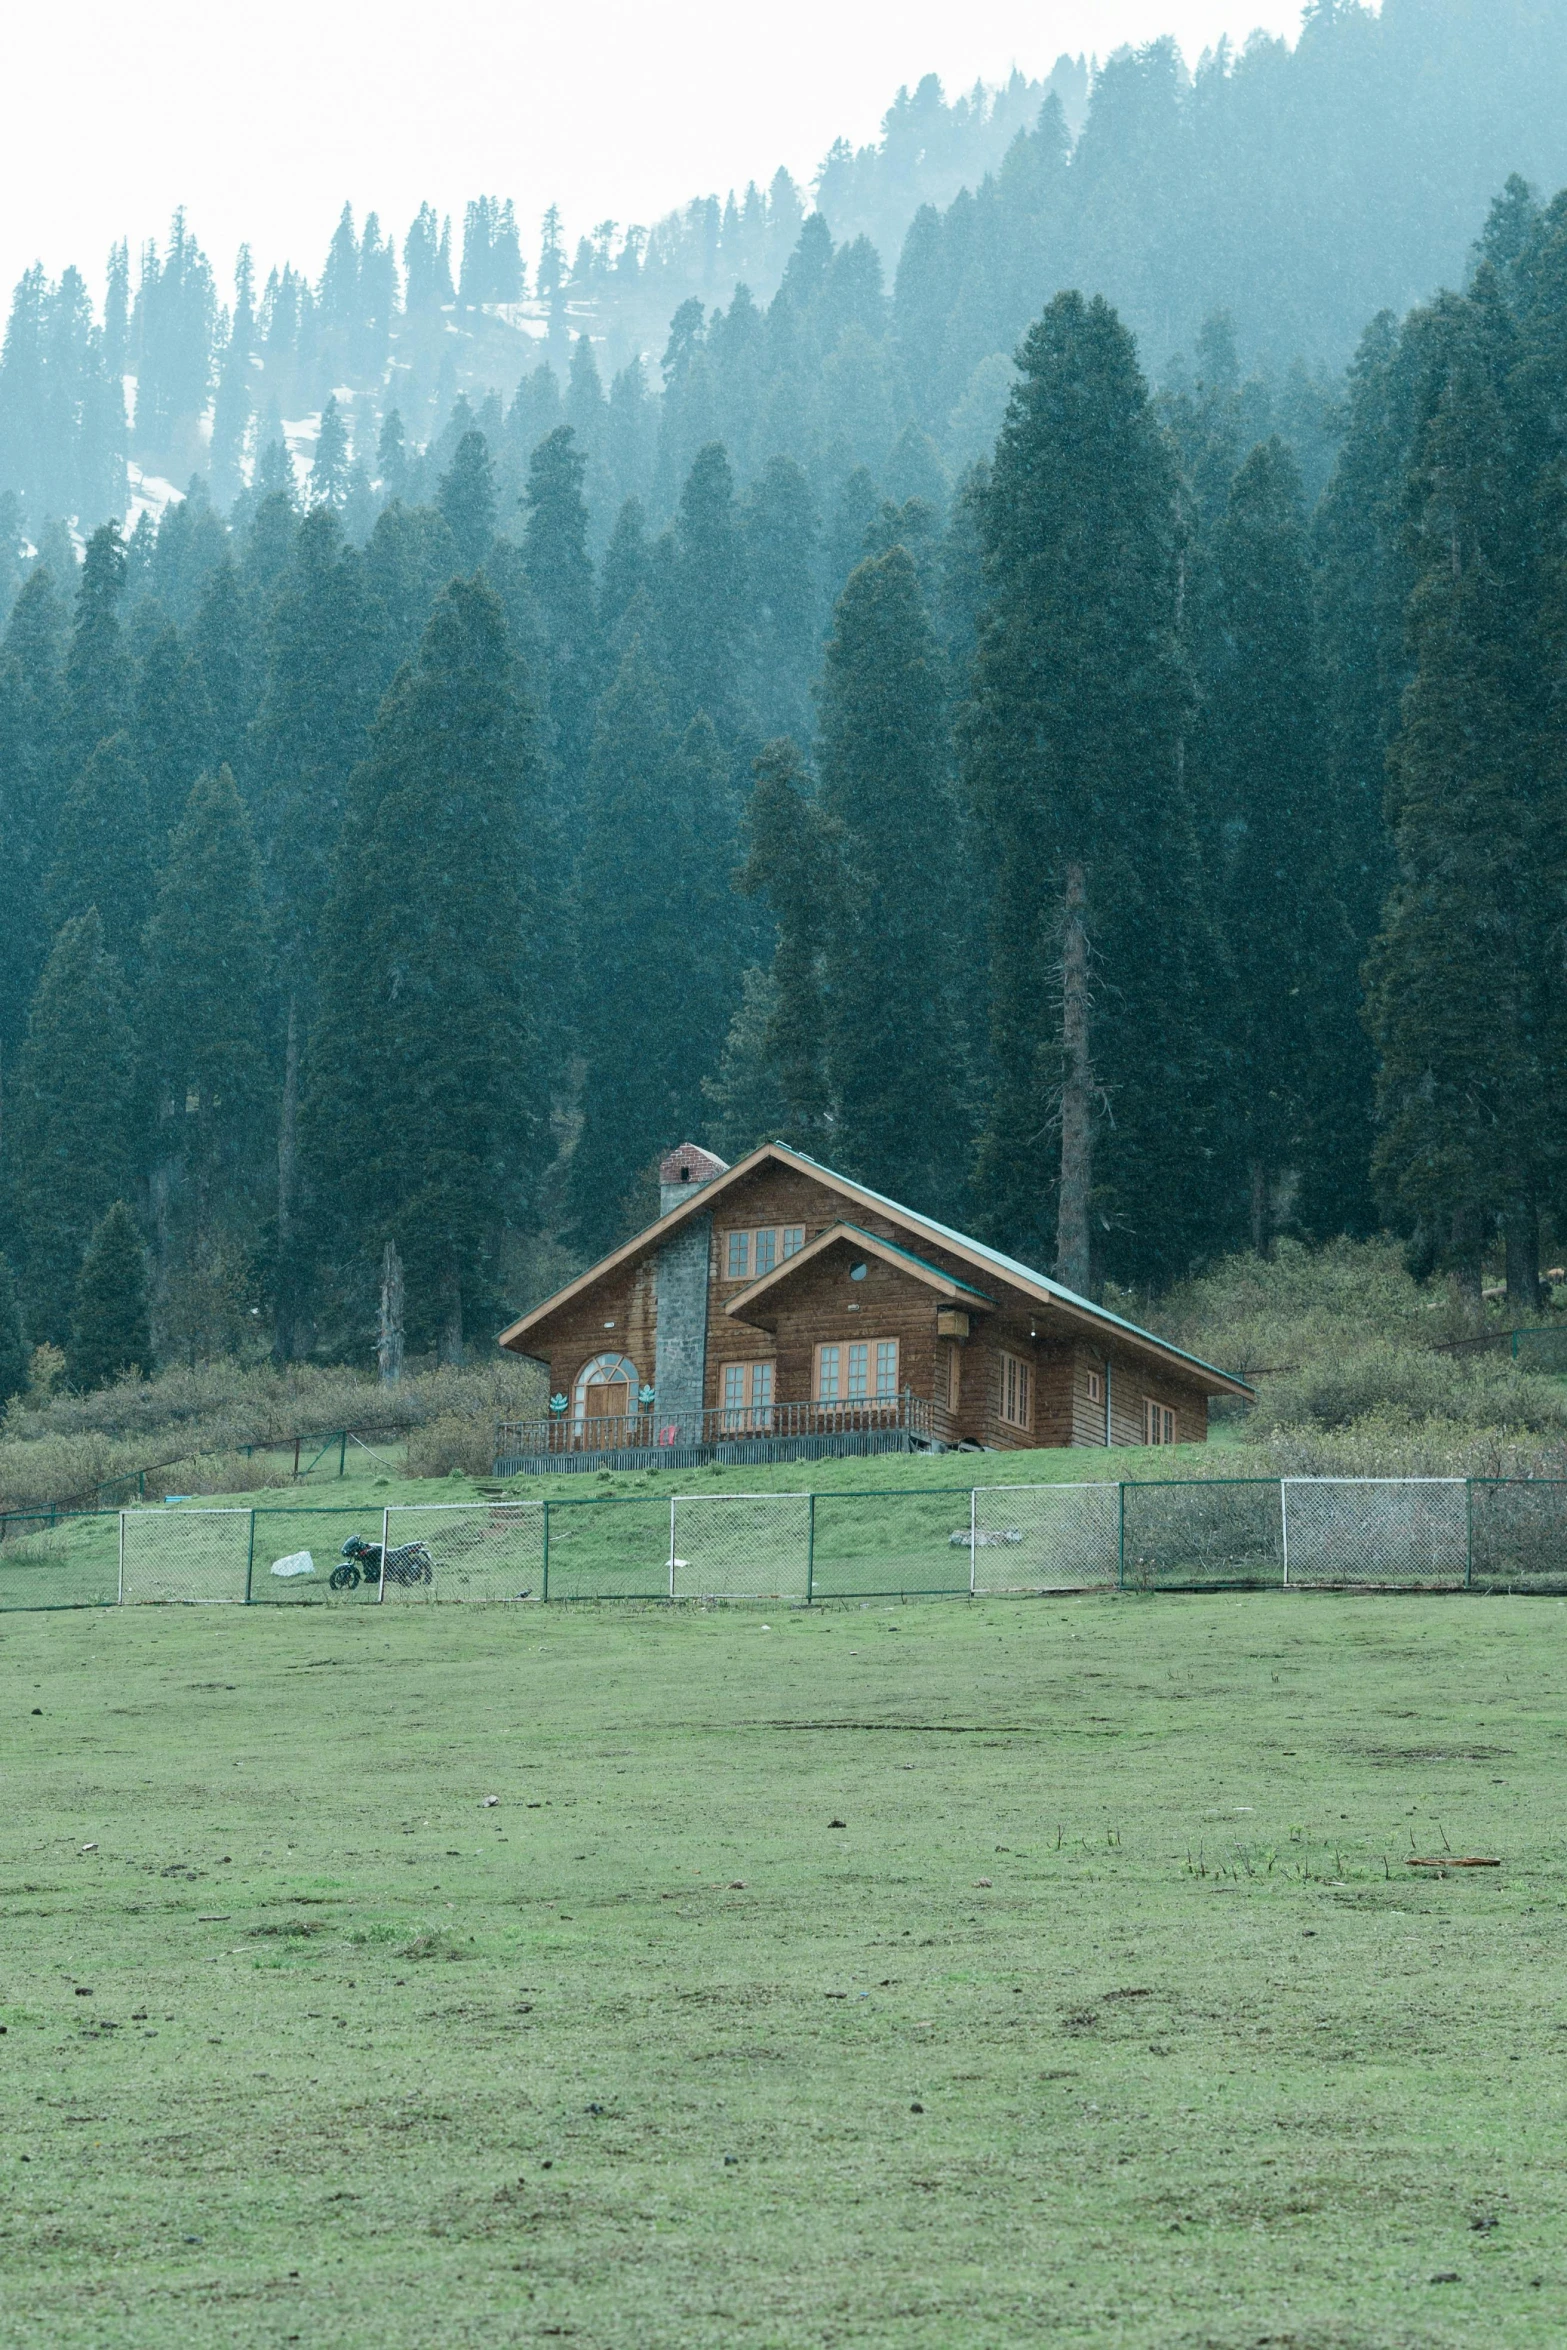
{"type": "Point", "coordinates": [260, 121]}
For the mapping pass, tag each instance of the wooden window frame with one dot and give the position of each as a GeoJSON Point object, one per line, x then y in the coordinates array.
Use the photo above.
{"type": "Point", "coordinates": [1017, 1393]}
{"type": "Point", "coordinates": [1096, 1386]}
{"type": "Point", "coordinates": [752, 1243]}
{"type": "Point", "coordinates": [752, 1405]}
{"type": "Point", "coordinates": [1161, 1424]}
{"type": "Point", "coordinates": [860, 1368]}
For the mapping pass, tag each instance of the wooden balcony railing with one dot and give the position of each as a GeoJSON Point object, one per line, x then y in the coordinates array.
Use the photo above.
{"type": "Point", "coordinates": [906, 1414]}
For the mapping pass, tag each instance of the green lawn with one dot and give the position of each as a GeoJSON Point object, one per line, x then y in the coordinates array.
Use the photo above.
{"type": "Point", "coordinates": [933, 1975]}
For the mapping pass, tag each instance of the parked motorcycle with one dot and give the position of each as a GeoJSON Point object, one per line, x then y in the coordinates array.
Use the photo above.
{"type": "Point", "coordinates": [409, 1563]}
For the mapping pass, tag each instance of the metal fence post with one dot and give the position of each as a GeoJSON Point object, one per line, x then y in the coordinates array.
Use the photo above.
{"type": "Point", "coordinates": [1469, 1533]}
{"type": "Point", "coordinates": [545, 1594]}
{"type": "Point", "coordinates": [250, 1557]}
{"type": "Point", "coordinates": [673, 1499]}
{"type": "Point", "coordinates": [973, 1532]}
{"type": "Point", "coordinates": [120, 1599]}
{"type": "Point", "coordinates": [342, 1452]}
{"type": "Point", "coordinates": [386, 1536]}
{"type": "Point", "coordinates": [1284, 1525]}
{"type": "Point", "coordinates": [810, 1549]}
{"type": "Point", "coordinates": [1120, 1535]}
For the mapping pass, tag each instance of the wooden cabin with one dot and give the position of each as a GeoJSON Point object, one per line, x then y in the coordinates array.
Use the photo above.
{"type": "Point", "coordinates": [778, 1309]}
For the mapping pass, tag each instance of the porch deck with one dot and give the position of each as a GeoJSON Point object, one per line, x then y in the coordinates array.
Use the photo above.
{"type": "Point", "coordinates": [728, 1436]}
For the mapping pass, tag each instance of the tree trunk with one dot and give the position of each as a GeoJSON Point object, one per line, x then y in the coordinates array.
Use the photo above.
{"type": "Point", "coordinates": [389, 1342]}
{"type": "Point", "coordinates": [283, 1338]}
{"type": "Point", "coordinates": [1077, 1086]}
{"type": "Point", "coordinates": [1261, 1230]}
{"type": "Point", "coordinates": [1521, 1228]}
{"type": "Point", "coordinates": [1467, 1253]}
{"type": "Point", "coordinates": [450, 1348]}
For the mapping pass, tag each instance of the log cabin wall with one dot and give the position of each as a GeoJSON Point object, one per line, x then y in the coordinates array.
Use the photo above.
{"type": "Point", "coordinates": [617, 1315]}
{"type": "Point", "coordinates": [819, 1306]}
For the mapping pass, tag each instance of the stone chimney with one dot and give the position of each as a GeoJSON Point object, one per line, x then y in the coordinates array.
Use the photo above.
{"type": "Point", "coordinates": [683, 1171]}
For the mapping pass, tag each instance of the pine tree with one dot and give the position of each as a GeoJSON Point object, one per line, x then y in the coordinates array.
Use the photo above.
{"type": "Point", "coordinates": [104, 852]}
{"type": "Point", "coordinates": [71, 1138]}
{"type": "Point", "coordinates": [391, 455]}
{"type": "Point", "coordinates": [15, 1354]}
{"type": "Point", "coordinates": [111, 1329]}
{"type": "Point", "coordinates": [31, 767]}
{"type": "Point", "coordinates": [783, 557]}
{"type": "Point", "coordinates": [224, 655]}
{"type": "Point", "coordinates": [893, 1056]}
{"type": "Point", "coordinates": [745, 1099]}
{"type": "Point", "coordinates": [466, 498]}
{"type": "Point", "coordinates": [329, 467]}
{"type": "Point", "coordinates": [422, 1111]}
{"type": "Point", "coordinates": [1074, 739]}
{"type": "Point", "coordinates": [653, 896]}
{"type": "Point", "coordinates": [1260, 781]}
{"type": "Point", "coordinates": [555, 550]}
{"type": "Point", "coordinates": [706, 597]}
{"type": "Point", "coordinates": [97, 667]}
{"type": "Point", "coordinates": [795, 864]}
{"type": "Point", "coordinates": [1465, 993]}
{"type": "Point", "coordinates": [202, 1035]}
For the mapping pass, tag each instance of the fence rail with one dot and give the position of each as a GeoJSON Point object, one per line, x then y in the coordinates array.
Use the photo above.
{"type": "Point", "coordinates": [1192, 1534]}
{"type": "Point", "coordinates": [731, 1432]}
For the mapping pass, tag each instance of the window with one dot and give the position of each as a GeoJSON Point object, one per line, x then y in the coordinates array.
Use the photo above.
{"type": "Point", "coordinates": [860, 1370]}
{"type": "Point", "coordinates": [748, 1393]}
{"type": "Point", "coordinates": [1159, 1423]}
{"type": "Point", "coordinates": [1017, 1400]}
{"type": "Point", "coordinates": [1096, 1387]}
{"type": "Point", "coordinates": [748, 1255]}
{"type": "Point", "coordinates": [606, 1389]}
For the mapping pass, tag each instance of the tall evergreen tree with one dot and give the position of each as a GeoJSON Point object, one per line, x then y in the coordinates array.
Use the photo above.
{"type": "Point", "coordinates": [795, 865]}
{"type": "Point", "coordinates": [98, 666]}
{"type": "Point", "coordinates": [655, 929]}
{"type": "Point", "coordinates": [70, 1143]}
{"type": "Point", "coordinates": [706, 602]}
{"type": "Point", "coordinates": [1298, 1076]}
{"type": "Point", "coordinates": [1101, 1118]}
{"type": "Point", "coordinates": [111, 1328]}
{"type": "Point", "coordinates": [203, 1037]}
{"type": "Point", "coordinates": [1466, 987]}
{"type": "Point", "coordinates": [32, 758]}
{"type": "Point", "coordinates": [15, 1354]}
{"type": "Point", "coordinates": [783, 558]}
{"type": "Point", "coordinates": [329, 466]}
{"type": "Point", "coordinates": [422, 1113]}
{"type": "Point", "coordinates": [104, 852]}
{"type": "Point", "coordinates": [894, 1055]}
{"type": "Point", "coordinates": [466, 498]}
{"type": "Point", "coordinates": [555, 549]}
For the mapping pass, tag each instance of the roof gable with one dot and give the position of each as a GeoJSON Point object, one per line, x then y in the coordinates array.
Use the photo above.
{"type": "Point", "coordinates": [902, 1260]}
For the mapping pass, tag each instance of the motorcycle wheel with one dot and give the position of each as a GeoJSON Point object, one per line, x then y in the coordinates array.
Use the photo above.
{"type": "Point", "coordinates": [343, 1579]}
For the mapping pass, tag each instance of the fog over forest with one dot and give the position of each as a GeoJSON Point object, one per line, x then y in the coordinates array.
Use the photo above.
{"type": "Point", "coordinates": [500, 698]}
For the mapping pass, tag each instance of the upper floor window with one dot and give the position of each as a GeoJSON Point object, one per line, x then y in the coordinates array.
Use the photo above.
{"type": "Point", "coordinates": [1096, 1387]}
{"type": "Point", "coordinates": [1017, 1392]}
{"type": "Point", "coordinates": [748, 1255]}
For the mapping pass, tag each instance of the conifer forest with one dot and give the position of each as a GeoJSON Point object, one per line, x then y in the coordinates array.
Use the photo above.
{"type": "Point", "coordinates": [1033, 668]}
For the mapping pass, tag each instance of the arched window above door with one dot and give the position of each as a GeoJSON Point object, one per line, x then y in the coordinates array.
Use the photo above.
{"type": "Point", "coordinates": [606, 1388]}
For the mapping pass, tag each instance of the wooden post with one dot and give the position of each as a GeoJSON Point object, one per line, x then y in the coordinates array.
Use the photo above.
{"type": "Point", "coordinates": [1077, 1081]}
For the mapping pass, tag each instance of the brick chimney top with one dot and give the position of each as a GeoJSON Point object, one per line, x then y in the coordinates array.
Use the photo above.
{"type": "Point", "coordinates": [682, 1171]}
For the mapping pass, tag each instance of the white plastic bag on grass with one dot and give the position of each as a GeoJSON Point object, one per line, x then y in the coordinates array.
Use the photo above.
{"type": "Point", "coordinates": [298, 1562]}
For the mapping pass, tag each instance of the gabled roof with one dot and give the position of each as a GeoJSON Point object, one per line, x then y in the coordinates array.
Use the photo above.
{"type": "Point", "coordinates": [1038, 1288]}
{"type": "Point", "coordinates": [946, 1285]}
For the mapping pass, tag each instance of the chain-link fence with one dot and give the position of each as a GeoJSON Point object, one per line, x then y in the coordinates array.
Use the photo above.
{"type": "Point", "coordinates": [1405, 1531]}
{"type": "Point", "coordinates": [1432, 1533]}
{"type": "Point", "coordinates": [1024, 1538]}
{"type": "Point", "coordinates": [740, 1546]}
{"type": "Point", "coordinates": [464, 1550]}
{"type": "Point", "coordinates": [1202, 1535]}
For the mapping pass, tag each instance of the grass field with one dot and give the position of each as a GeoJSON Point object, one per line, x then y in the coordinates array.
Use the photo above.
{"type": "Point", "coordinates": [924, 1975]}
